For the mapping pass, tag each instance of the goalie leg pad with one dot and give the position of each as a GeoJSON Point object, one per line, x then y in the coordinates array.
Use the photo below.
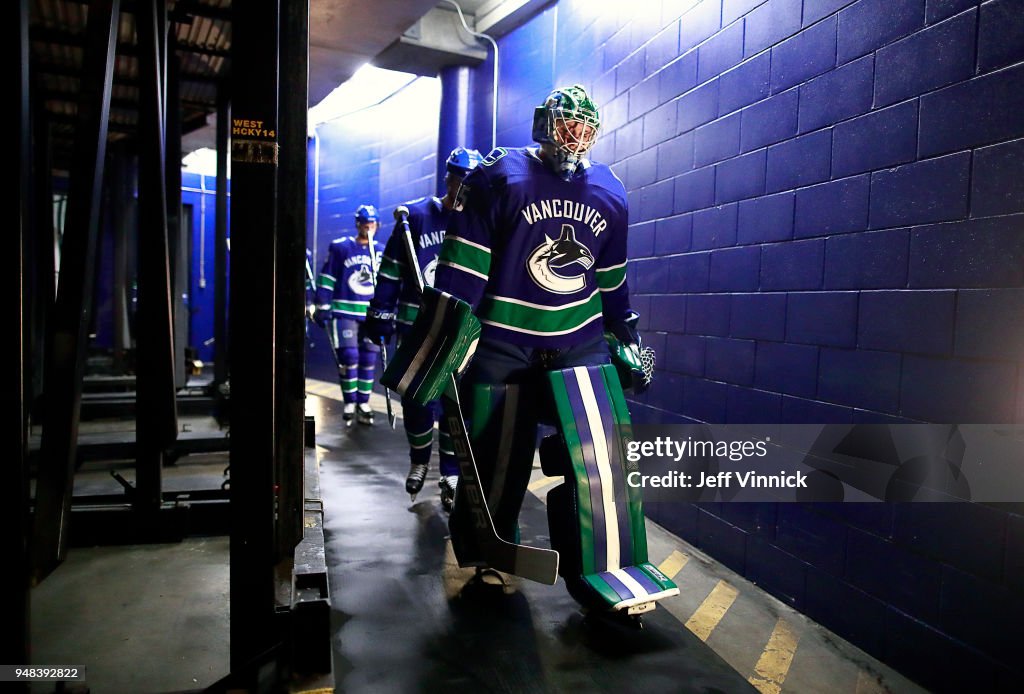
{"type": "Point", "coordinates": [440, 342]}
{"type": "Point", "coordinates": [502, 425]}
{"type": "Point", "coordinates": [611, 561]}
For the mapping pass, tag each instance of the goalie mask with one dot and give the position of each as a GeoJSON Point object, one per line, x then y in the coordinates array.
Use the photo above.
{"type": "Point", "coordinates": [568, 120]}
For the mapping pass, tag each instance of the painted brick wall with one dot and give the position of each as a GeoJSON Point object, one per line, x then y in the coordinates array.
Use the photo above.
{"type": "Point", "coordinates": [383, 155]}
{"type": "Point", "coordinates": [827, 225]}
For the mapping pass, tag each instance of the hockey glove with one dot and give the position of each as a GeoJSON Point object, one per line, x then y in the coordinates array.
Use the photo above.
{"type": "Point", "coordinates": [634, 363]}
{"type": "Point", "coordinates": [379, 325]}
{"type": "Point", "coordinates": [322, 315]}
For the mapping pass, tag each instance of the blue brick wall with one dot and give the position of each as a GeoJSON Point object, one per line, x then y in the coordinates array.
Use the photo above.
{"type": "Point", "coordinates": [378, 156]}
{"type": "Point", "coordinates": [826, 225]}
{"type": "Point", "coordinates": [845, 146]}
{"type": "Point", "coordinates": [829, 185]}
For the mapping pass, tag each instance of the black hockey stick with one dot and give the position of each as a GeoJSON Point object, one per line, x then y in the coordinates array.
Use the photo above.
{"type": "Point", "coordinates": [535, 563]}
{"type": "Point", "coordinates": [383, 346]}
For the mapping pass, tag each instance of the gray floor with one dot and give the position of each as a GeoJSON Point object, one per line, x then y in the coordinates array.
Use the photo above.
{"type": "Point", "coordinates": [407, 621]}
{"type": "Point", "coordinates": [144, 618]}
{"type": "Point", "coordinates": [405, 618]}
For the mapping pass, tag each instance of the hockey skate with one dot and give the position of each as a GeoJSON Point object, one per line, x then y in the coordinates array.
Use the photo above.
{"type": "Point", "coordinates": [414, 480]}
{"type": "Point", "coordinates": [448, 484]}
{"type": "Point", "coordinates": [364, 415]}
{"type": "Point", "coordinates": [348, 412]}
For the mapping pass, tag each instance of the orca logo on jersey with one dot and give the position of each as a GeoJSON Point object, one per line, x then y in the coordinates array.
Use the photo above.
{"type": "Point", "coordinates": [361, 281]}
{"type": "Point", "coordinates": [560, 265]}
{"type": "Point", "coordinates": [428, 272]}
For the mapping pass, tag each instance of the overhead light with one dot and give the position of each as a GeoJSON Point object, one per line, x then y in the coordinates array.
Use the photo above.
{"type": "Point", "coordinates": [201, 161]}
{"type": "Point", "coordinates": [368, 86]}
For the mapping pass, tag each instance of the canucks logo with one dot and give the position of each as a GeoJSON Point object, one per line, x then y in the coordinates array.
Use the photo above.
{"type": "Point", "coordinates": [361, 281]}
{"type": "Point", "coordinates": [560, 265]}
{"type": "Point", "coordinates": [429, 271]}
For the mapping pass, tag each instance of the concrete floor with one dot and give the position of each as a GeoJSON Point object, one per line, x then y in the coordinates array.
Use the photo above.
{"type": "Point", "coordinates": [405, 618]}
{"type": "Point", "coordinates": [143, 618]}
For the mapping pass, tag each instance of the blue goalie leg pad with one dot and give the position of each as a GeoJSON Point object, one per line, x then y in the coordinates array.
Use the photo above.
{"type": "Point", "coordinates": [597, 519]}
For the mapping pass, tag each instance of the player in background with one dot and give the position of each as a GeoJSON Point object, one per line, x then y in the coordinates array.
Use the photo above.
{"type": "Point", "coordinates": [397, 300]}
{"type": "Point", "coordinates": [345, 288]}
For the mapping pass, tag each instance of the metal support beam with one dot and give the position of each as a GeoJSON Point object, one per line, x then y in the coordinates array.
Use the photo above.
{"type": "Point", "coordinates": [254, 162]}
{"type": "Point", "coordinates": [40, 248]}
{"type": "Point", "coordinates": [178, 238]}
{"type": "Point", "coordinates": [220, 245]}
{"type": "Point", "coordinates": [291, 259]}
{"type": "Point", "coordinates": [14, 624]}
{"type": "Point", "coordinates": [156, 423]}
{"type": "Point", "coordinates": [123, 213]}
{"type": "Point", "coordinates": [66, 346]}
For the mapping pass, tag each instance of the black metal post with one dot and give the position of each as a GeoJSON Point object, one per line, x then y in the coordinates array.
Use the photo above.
{"type": "Point", "coordinates": [291, 275]}
{"type": "Point", "coordinates": [177, 241]}
{"type": "Point", "coordinates": [66, 344]}
{"type": "Point", "coordinates": [14, 618]}
{"type": "Point", "coordinates": [254, 162]}
{"type": "Point", "coordinates": [123, 212]}
{"type": "Point", "coordinates": [156, 424]}
{"type": "Point", "coordinates": [220, 245]}
{"type": "Point", "coordinates": [40, 249]}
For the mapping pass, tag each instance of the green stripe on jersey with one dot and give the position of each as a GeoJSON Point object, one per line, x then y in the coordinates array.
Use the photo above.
{"type": "Point", "coordinates": [407, 312]}
{"type": "Point", "coordinates": [455, 251]}
{"type": "Point", "coordinates": [390, 268]}
{"type": "Point", "coordinates": [537, 320]}
{"type": "Point", "coordinates": [356, 307]}
{"type": "Point", "coordinates": [326, 282]}
{"type": "Point", "coordinates": [611, 277]}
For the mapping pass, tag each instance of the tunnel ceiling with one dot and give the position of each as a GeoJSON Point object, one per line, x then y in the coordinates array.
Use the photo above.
{"type": "Point", "coordinates": [344, 34]}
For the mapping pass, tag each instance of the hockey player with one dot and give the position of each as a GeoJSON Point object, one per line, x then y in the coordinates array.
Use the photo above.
{"type": "Point", "coordinates": [397, 300]}
{"type": "Point", "coordinates": [539, 254]}
{"type": "Point", "coordinates": [345, 288]}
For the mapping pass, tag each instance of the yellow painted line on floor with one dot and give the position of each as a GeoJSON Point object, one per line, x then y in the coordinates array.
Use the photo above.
{"type": "Point", "coordinates": [674, 564]}
{"type": "Point", "coordinates": [710, 613]}
{"type": "Point", "coordinates": [773, 665]}
{"type": "Point", "coordinates": [543, 482]}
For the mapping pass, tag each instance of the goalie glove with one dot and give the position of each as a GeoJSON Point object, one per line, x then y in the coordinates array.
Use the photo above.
{"type": "Point", "coordinates": [633, 362]}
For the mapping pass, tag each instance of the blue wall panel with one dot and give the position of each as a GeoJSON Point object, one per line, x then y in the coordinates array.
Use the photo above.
{"type": "Point", "coordinates": [826, 225]}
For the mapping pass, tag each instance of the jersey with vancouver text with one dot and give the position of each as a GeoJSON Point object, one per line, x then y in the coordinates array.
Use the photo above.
{"type": "Point", "coordinates": [542, 260]}
{"type": "Point", "coordinates": [396, 287]}
{"type": "Point", "coordinates": [346, 280]}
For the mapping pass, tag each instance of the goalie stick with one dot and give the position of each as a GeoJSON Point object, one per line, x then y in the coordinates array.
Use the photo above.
{"type": "Point", "coordinates": [535, 563]}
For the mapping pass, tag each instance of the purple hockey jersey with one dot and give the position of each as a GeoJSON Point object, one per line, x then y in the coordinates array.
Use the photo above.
{"type": "Point", "coordinates": [396, 287]}
{"type": "Point", "coordinates": [542, 260]}
{"type": "Point", "coordinates": [346, 280]}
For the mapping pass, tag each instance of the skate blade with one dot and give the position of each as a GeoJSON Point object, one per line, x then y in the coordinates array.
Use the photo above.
{"type": "Point", "coordinates": [641, 608]}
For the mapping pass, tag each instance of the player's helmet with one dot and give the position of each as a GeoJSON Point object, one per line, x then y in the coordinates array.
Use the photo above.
{"type": "Point", "coordinates": [461, 161]}
{"type": "Point", "coordinates": [569, 120]}
{"type": "Point", "coordinates": [366, 213]}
